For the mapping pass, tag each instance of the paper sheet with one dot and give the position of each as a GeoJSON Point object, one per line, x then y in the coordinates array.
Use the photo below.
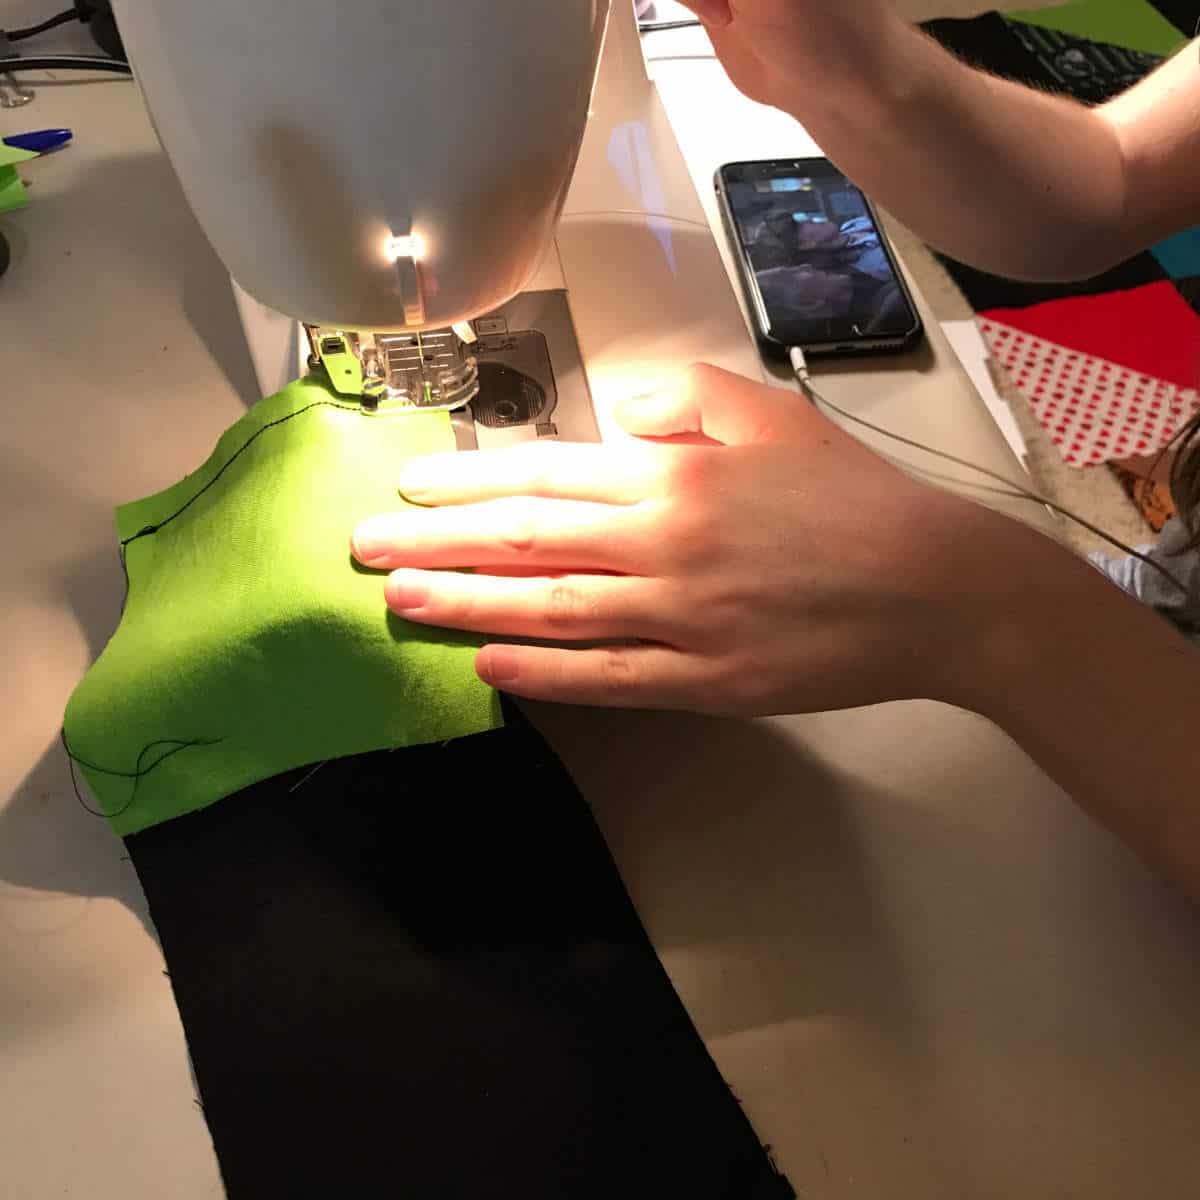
{"type": "Point", "coordinates": [967, 342]}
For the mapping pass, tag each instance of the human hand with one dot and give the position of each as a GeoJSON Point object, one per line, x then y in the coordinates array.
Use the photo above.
{"type": "Point", "coordinates": [774, 49]}
{"type": "Point", "coordinates": [741, 554]}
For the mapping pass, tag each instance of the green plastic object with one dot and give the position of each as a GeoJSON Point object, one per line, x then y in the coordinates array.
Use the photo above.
{"type": "Point", "coordinates": [251, 644]}
{"type": "Point", "coordinates": [12, 190]}
{"type": "Point", "coordinates": [1133, 24]}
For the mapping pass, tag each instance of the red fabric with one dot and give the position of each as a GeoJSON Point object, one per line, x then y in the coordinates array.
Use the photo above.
{"type": "Point", "coordinates": [1151, 330]}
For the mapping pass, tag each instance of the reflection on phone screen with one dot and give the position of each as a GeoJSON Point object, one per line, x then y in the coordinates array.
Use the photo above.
{"type": "Point", "coordinates": [817, 256]}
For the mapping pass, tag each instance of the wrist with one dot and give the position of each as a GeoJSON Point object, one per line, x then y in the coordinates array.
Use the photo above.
{"type": "Point", "coordinates": [1005, 615]}
{"type": "Point", "coordinates": [1038, 627]}
{"type": "Point", "coordinates": [857, 71]}
{"type": "Point", "coordinates": [854, 37]}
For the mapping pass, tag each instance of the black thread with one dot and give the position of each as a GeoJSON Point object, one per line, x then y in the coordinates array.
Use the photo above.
{"type": "Point", "coordinates": [177, 745]}
{"type": "Point", "coordinates": [137, 775]}
{"type": "Point", "coordinates": [151, 529]}
{"type": "Point", "coordinates": [65, 62]}
{"type": "Point", "coordinates": [62, 18]}
{"type": "Point", "coordinates": [125, 577]}
{"type": "Point", "coordinates": [297, 786]}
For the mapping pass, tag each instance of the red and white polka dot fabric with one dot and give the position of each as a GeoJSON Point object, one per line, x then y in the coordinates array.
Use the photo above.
{"type": "Point", "coordinates": [1094, 410]}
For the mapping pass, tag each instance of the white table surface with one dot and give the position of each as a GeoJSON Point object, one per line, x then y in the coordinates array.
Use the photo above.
{"type": "Point", "coordinates": [922, 971]}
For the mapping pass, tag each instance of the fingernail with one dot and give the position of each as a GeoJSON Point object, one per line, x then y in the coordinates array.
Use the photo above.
{"type": "Point", "coordinates": [500, 664]}
{"type": "Point", "coordinates": [370, 540]}
{"type": "Point", "coordinates": [416, 478]}
{"type": "Point", "coordinates": [648, 409]}
{"type": "Point", "coordinates": [406, 594]}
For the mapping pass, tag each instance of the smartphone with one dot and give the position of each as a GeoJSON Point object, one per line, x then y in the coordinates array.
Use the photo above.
{"type": "Point", "coordinates": [814, 262]}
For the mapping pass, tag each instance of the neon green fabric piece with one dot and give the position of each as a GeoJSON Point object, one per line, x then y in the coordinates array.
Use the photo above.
{"type": "Point", "coordinates": [12, 190]}
{"type": "Point", "coordinates": [1134, 24]}
{"type": "Point", "coordinates": [250, 643]}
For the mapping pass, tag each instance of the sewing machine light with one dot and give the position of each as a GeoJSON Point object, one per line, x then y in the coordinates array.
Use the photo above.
{"type": "Point", "coordinates": [411, 246]}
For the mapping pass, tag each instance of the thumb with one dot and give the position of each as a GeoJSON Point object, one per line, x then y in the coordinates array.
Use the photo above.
{"type": "Point", "coordinates": [711, 12]}
{"type": "Point", "coordinates": [717, 405]}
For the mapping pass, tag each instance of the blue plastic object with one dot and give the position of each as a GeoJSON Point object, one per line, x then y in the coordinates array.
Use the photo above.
{"type": "Point", "coordinates": [40, 141]}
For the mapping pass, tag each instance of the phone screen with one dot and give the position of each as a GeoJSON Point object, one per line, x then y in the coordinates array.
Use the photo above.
{"type": "Point", "coordinates": [822, 269]}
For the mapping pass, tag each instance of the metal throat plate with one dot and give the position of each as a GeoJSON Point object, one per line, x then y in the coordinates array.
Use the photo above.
{"type": "Point", "coordinates": [532, 382]}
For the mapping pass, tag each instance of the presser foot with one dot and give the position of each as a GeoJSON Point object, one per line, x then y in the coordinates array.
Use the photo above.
{"type": "Point", "coordinates": [430, 371]}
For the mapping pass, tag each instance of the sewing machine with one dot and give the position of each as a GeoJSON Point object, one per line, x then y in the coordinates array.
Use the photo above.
{"type": "Point", "coordinates": [416, 200]}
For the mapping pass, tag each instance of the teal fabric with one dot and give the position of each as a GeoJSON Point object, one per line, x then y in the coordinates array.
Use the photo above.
{"type": "Point", "coordinates": [251, 643]}
{"type": "Point", "coordinates": [1179, 256]}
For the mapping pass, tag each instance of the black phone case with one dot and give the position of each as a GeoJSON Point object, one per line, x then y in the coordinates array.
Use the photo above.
{"type": "Point", "coordinates": [772, 346]}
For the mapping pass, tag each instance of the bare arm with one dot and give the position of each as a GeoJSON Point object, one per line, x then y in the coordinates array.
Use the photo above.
{"type": "Point", "coordinates": [1069, 672]}
{"type": "Point", "coordinates": [999, 175]}
{"type": "Point", "coordinates": [725, 576]}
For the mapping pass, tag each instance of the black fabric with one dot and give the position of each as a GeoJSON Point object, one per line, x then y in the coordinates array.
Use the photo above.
{"type": "Point", "coordinates": [989, 42]}
{"type": "Point", "coordinates": [1090, 71]}
{"type": "Point", "coordinates": [1183, 14]}
{"type": "Point", "coordinates": [1189, 288]}
{"type": "Point", "coordinates": [984, 291]}
{"type": "Point", "coordinates": [419, 975]}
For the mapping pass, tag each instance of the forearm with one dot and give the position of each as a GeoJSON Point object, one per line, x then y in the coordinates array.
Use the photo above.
{"type": "Point", "coordinates": [1103, 693]}
{"type": "Point", "coordinates": [1004, 177]}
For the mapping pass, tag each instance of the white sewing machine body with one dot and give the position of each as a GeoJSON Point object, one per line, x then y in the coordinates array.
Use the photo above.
{"type": "Point", "coordinates": [368, 166]}
{"type": "Point", "coordinates": [629, 287]}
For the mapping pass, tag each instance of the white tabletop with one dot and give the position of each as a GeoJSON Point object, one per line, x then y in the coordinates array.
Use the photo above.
{"type": "Point", "coordinates": [921, 970]}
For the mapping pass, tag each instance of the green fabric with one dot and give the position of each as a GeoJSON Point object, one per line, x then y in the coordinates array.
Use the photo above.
{"type": "Point", "coordinates": [250, 643]}
{"type": "Point", "coordinates": [1134, 24]}
{"type": "Point", "coordinates": [12, 190]}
